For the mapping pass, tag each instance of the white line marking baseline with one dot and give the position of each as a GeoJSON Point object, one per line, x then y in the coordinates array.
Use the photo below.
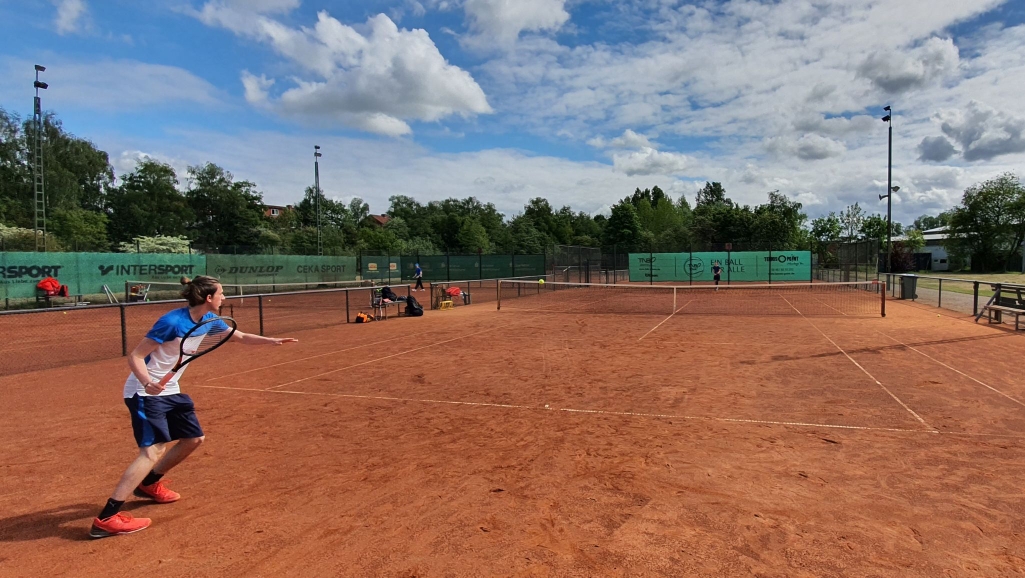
{"type": "Point", "coordinates": [609, 412]}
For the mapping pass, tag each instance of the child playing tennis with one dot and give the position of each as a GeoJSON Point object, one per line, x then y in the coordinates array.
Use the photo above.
{"type": "Point", "coordinates": [161, 413]}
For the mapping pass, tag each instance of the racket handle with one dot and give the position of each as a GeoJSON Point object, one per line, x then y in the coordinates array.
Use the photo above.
{"type": "Point", "coordinates": [167, 377]}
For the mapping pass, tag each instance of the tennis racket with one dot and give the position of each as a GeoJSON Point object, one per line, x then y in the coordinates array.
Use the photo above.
{"type": "Point", "coordinates": [205, 337]}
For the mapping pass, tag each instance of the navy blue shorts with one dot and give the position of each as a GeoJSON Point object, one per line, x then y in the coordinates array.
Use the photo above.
{"type": "Point", "coordinates": [163, 418]}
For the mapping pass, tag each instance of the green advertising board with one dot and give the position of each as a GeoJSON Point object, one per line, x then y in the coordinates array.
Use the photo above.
{"type": "Point", "coordinates": [741, 266]}
{"type": "Point", "coordinates": [380, 268]}
{"type": "Point", "coordinates": [87, 273]}
{"type": "Point", "coordinates": [265, 269]}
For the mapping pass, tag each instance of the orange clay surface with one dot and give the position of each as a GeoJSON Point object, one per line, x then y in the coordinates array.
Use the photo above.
{"type": "Point", "coordinates": [477, 442]}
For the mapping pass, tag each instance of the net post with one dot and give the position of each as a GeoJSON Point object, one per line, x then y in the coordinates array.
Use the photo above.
{"type": "Point", "coordinates": [882, 297]}
{"type": "Point", "coordinates": [127, 290]}
{"type": "Point", "coordinates": [124, 332]}
{"type": "Point", "coordinates": [674, 299]}
{"type": "Point", "coordinates": [259, 300]}
{"type": "Point", "coordinates": [939, 299]}
{"type": "Point", "coordinates": [975, 290]}
{"type": "Point", "coordinates": [347, 307]}
{"type": "Point", "coordinates": [498, 290]}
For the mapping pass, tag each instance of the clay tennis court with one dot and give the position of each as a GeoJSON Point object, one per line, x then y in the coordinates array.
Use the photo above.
{"type": "Point", "coordinates": [528, 442]}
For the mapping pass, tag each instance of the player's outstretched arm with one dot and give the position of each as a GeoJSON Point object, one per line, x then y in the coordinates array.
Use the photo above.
{"type": "Point", "coordinates": [250, 339]}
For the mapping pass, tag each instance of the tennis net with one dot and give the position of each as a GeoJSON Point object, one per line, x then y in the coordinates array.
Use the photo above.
{"type": "Point", "coordinates": [819, 299]}
{"type": "Point", "coordinates": [161, 291]}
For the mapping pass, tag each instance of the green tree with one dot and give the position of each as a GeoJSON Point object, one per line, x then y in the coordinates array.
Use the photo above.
{"type": "Point", "coordinates": [15, 173]}
{"type": "Point", "coordinates": [228, 213]}
{"type": "Point", "coordinates": [712, 194]}
{"type": "Point", "coordinates": [526, 238]}
{"type": "Point", "coordinates": [624, 227]}
{"type": "Point", "coordinates": [473, 237]}
{"type": "Point", "coordinates": [148, 203]}
{"type": "Point", "coordinates": [778, 223]}
{"type": "Point", "coordinates": [79, 229]}
{"type": "Point", "coordinates": [926, 222]}
{"type": "Point", "coordinates": [873, 227]}
{"type": "Point", "coordinates": [851, 220]}
{"type": "Point", "coordinates": [989, 225]}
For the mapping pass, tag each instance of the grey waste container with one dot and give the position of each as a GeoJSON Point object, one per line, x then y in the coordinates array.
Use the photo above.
{"type": "Point", "coordinates": [909, 287]}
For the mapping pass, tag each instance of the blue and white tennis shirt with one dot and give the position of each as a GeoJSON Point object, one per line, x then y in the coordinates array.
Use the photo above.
{"type": "Point", "coordinates": [168, 332]}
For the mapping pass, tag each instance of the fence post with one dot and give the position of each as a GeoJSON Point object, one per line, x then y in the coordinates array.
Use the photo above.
{"type": "Point", "coordinates": [975, 310]}
{"type": "Point", "coordinates": [939, 301]}
{"type": "Point", "coordinates": [651, 268]}
{"type": "Point", "coordinates": [124, 333]}
{"type": "Point", "coordinates": [448, 267]}
{"type": "Point", "coordinates": [259, 301]}
{"type": "Point", "coordinates": [770, 263]}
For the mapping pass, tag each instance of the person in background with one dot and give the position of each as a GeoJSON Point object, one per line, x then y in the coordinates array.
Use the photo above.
{"type": "Point", "coordinates": [716, 274]}
{"type": "Point", "coordinates": [418, 274]}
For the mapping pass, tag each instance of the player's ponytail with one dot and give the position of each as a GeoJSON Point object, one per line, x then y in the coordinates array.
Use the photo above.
{"type": "Point", "coordinates": [197, 290]}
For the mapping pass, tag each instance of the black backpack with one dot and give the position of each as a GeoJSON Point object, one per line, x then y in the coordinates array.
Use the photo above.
{"type": "Point", "coordinates": [387, 293]}
{"type": "Point", "coordinates": [413, 307]}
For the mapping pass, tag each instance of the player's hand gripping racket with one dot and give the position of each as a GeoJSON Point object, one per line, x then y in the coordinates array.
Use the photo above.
{"type": "Point", "coordinates": [205, 337]}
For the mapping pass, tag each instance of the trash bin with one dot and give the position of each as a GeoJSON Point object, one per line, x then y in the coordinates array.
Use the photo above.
{"type": "Point", "coordinates": [909, 287]}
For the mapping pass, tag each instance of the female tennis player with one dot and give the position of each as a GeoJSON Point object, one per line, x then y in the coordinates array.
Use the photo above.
{"type": "Point", "coordinates": [160, 412]}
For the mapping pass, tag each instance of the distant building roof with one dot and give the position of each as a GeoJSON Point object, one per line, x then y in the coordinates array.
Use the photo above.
{"type": "Point", "coordinates": [381, 220]}
{"type": "Point", "coordinates": [937, 234]}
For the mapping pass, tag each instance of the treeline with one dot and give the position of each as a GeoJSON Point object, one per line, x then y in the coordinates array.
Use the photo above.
{"type": "Point", "coordinates": [155, 208]}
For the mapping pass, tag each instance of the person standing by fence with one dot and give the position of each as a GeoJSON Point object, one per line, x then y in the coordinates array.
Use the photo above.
{"type": "Point", "coordinates": [418, 274]}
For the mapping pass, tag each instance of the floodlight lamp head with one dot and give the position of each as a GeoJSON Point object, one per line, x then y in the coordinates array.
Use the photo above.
{"type": "Point", "coordinates": [895, 188]}
{"type": "Point", "coordinates": [40, 68]}
{"type": "Point", "coordinates": [881, 197]}
{"type": "Point", "coordinates": [41, 85]}
{"type": "Point", "coordinates": [886, 118]}
{"type": "Point", "coordinates": [886, 108]}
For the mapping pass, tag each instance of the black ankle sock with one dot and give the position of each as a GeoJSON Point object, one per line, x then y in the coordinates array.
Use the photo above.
{"type": "Point", "coordinates": [151, 478]}
{"type": "Point", "coordinates": [113, 506]}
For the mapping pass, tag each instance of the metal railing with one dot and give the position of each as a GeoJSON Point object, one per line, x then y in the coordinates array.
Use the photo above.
{"type": "Point", "coordinates": [953, 293]}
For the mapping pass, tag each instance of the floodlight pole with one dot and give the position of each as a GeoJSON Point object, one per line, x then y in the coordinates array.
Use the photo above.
{"type": "Point", "coordinates": [889, 188]}
{"type": "Point", "coordinates": [316, 177]}
{"type": "Point", "coordinates": [37, 166]}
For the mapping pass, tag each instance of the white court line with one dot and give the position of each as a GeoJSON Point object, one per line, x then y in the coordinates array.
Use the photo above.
{"type": "Point", "coordinates": [959, 372]}
{"type": "Point", "coordinates": [729, 420]}
{"type": "Point", "coordinates": [865, 371]}
{"type": "Point", "coordinates": [666, 319]}
{"type": "Point", "coordinates": [386, 357]}
{"type": "Point", "coordinates": [300, 360]}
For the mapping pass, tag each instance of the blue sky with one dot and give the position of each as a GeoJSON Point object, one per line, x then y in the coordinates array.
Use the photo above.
{"type": "Point", "coordinates": [578, 101]}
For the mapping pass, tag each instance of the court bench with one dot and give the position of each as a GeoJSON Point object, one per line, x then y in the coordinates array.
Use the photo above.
{"type": "Point", "coordinates": [1007, 299]}
{"type": "Point", "coordinates": [45, 299]}
{"type": "Point", "coordinates": [380, 306]}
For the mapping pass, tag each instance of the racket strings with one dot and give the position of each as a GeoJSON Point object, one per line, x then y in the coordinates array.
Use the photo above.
{"type": "Point", "coordinates": [206, 339]}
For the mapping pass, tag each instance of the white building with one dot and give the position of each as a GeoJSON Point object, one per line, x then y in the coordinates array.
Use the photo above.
{"type": "Point", "coordinates": [934, 244]}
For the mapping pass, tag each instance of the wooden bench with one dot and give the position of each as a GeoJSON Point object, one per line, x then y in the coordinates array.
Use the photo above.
{"type": "Point", "coordinates": [1006, 299]}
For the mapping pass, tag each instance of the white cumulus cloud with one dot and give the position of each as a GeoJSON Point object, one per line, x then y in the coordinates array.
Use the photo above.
{"type": "Point", "coordinates": [70, 16]}
{"type": "Point", "coordinates": [501, 21]}
{"type": "Point", "coordinates": [648, 161]}
{"type": "Point", "coordinates": [376, 78]}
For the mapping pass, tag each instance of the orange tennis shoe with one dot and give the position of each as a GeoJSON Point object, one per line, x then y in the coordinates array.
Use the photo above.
{"type": "Point", "coordinates": [120, 523]}
{"type": "Point", "coordinates": [160, 493]}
